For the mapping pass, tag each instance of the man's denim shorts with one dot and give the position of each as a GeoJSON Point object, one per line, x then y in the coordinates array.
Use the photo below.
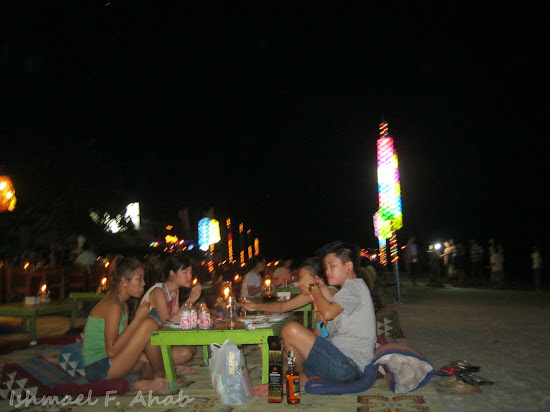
{"type": "Point", "coordinates": [99, 370]}
{"type": "Point", "coordinates": [326, 361]}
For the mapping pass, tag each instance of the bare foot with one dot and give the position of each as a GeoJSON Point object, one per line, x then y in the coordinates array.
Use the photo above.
{"type": "Point", "coordinates": [185, 370]}
{"type": "Point", "coordinates": [261, 390]}
{"type": "Point", "coordinates": [155, 385]}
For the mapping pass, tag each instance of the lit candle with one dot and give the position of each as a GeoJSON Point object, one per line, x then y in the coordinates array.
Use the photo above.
{"type": "Point", "coordinates": [195, 281]}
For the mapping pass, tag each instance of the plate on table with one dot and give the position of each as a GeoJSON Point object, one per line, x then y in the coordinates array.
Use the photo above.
{"type": "Point", "coordinates": [275, 319]}
{"type": "Point", "coordinates": [262, 325]}
{"type": "Point", "coordinates": [253, 318]}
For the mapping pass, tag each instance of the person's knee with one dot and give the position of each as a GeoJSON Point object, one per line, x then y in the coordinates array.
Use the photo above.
{"type": "Point", "coordinates": [149, 325]}
{"type": "Point", "coordinates": [291, 331]}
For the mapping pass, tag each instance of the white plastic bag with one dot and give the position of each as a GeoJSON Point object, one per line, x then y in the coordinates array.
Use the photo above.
{"type": "Point", "coordinates": [229, 373]}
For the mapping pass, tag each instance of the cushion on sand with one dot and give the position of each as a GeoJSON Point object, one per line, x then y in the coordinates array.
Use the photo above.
{"type": "Point", "coordinates": [406, 368]}
{"type": "Point", "coordinates": [71, 359]}
{"type": "Point", "coordinates": [40, 377]}
{"type": "Point", "coordinates": [322, 387]}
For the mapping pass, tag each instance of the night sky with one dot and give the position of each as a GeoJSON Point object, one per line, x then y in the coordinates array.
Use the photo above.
{"type": "Point", "coordinates": [269, 112]}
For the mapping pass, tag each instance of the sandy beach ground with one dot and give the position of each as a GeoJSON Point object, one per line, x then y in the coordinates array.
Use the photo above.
{"type": "Point", "coordinates": [505, 332]}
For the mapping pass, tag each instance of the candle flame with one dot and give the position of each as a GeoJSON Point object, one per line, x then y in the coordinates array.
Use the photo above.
{"type": "Point", "coordinates": [195, 281]}
{"type": "Point", "coordinates": [237, 277]}
{"type": "Point", "coordinates": [26, 265]}
{"type": "Point", "coordinates": [107, 264]}
{"type": "Point", "coordinates": [226, 292]}
{"type": "Point", "coordinates": [103, 280]}
{"type": "Point", "coordinates": [268, 282]}
{"type": "Point", "coordinates": [43, 288]}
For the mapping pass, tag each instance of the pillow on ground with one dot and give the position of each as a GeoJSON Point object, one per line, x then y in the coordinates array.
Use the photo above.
{"type": "Point", "coordinates": [35, 376]}
{"type": "Point", "coordinates": [406, 368]}
{"type": "Point", "coordinates": [71, 359]}
{"type": "Point", "coordinates": [322, 387]}
{"type": "Point", "coordinates": [387, 323]}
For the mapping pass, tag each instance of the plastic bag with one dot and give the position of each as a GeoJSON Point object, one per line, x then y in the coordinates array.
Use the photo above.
{"type": "Point", "coordinates": [229, 374]}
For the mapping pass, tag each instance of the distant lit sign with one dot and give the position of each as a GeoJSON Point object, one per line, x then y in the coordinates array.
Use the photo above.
{"type": "Point", "coordinates": [209, 233]}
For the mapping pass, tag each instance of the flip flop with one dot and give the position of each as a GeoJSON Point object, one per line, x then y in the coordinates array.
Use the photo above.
{"type": "Point", "coordinates": [474, 379]}
{"type": "Point", "coordinates": [463, 365]}
{"type": "Point", "coordinates": [446, 371]}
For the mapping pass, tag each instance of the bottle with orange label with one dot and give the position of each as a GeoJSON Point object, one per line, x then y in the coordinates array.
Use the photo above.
{"type": "Point", "coordinates": [292, 380]}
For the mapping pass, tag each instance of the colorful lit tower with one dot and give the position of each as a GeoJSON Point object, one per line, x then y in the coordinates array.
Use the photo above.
{"type": "Point", "coordinates": [389, 217]}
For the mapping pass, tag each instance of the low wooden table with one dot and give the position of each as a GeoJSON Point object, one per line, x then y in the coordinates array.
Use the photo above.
{"type": "Point", "coordinates": [78, 297]}
{"type": "Point", "coordinates": [168, 337]}
{"type": "Point", "coordinates": [31, 312]}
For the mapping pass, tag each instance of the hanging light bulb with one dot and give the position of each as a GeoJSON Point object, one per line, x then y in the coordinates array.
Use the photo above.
{"type": "Point", "coordinates": [7, 194]}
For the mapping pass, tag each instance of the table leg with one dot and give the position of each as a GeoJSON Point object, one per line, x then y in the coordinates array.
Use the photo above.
{"type": "Point", "coordinates": [74, 314]}
{"type": "Point", "coordinates": [205, 354]}
{"type": "Point", "coordinates": [265, 362]}
{"type": "Point", "coordinates": [32, 321]}
{"type": "Point", "coordinates": [312, 318]}
{"type": "Point", "coordinates": [168, 360]}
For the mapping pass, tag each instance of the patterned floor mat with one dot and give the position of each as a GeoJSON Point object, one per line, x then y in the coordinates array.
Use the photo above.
{"type": "Point", "coordinates": [195, 393]}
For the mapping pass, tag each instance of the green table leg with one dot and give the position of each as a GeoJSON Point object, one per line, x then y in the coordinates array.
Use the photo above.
{"type": "Point", "coordinates": [168, 361]}
{"type": "Point", "coordinates": [265, 362]}
{"type": "Point", "coordinates": [312, 318]}
{"type": "Point", "coordinates": [205, 354]}
{"type": "Point", "coordinates": [74, 314]}
{"type": "Point", "coordinates": [32, 321]}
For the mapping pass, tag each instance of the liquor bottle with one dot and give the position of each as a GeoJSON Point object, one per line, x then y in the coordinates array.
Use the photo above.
{"type": "Point", "coordinates": [204, 317]}
{"type": "Point", "coordinates": [193, 311]}
{"type": "Point", "coordinates": [292, 380]}
{"type": "Point", "coordinates": [185, 321]}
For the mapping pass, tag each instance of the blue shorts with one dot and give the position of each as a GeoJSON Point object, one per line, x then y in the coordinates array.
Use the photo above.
{"type": "Point", "coordinates": [99, 370]}
{"type": "Point", "coordinates": [328, 362]}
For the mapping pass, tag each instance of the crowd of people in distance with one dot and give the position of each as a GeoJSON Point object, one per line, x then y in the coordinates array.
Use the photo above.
{"type": "Point", "coordinates": [466, 266]}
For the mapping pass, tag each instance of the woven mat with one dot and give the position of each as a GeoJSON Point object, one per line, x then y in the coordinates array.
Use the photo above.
{"type": "Point", "coordinates": [202, 397]}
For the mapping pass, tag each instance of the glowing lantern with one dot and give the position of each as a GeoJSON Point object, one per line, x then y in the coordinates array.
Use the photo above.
{"type": "Point", "coordinates": [389, 217]}
{"type": "Point", "coordinates": [7, 194]}
{"type": "Point", "coordinates": [209, 233]}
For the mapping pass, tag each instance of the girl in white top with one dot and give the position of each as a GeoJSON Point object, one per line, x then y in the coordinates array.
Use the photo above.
{"type": "Point", "coordinates": [164, 299]}
{"type": "Point", "coordinates": [252, 282]}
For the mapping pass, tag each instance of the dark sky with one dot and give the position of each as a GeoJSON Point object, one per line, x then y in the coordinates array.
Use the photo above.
{"type": "Point", "coordinates": [270, 113]}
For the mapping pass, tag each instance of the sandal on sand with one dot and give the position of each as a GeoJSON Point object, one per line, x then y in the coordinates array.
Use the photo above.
{"type": "Point", "coordinates": [463, 365]}
{"type": "Point", "coordinates": [454, 386]}
{"type": "Point", "coordinates": [446, 371]}
{"type": "Point", "coordinates": [473, 379]}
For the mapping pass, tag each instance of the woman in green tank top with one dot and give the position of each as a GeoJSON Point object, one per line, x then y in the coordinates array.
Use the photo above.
{"type": "Point", "coordinates": [114, 348]}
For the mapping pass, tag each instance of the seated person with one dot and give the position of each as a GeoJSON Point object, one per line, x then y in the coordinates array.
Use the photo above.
{"type": "Point", "coordinates": [351, 325]}
{"type": "Point", "coordinates": [252, 283]}
{"type": "Point", "coordinates": [113, 348]}
{"type": "Point", "coordinates": [164, 298]}
{"type": "Point", "coordinates": [310, 266]}
{"type": "Point", "coordinates": [282, 274]}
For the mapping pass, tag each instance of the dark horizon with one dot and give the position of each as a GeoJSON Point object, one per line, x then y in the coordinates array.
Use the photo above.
{"type": "Point", "coordinates": [269, 113]}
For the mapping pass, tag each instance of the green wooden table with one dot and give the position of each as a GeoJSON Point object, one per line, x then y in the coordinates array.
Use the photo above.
{"type": "Point", "coordinates": [29, 313]}
{"type": "Point", "coordinates": [168, 337]}
{"type": "Point", "coordinates": [78, 297]}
